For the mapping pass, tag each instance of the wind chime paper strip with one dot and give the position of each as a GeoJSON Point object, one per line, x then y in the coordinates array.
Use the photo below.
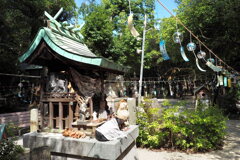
{"type": "Point", "coordinates": [220, 80]}
{"type": "Point", "coordinates": [163, 50]}
{"type": "Point", "coordinates": [183, 54]}
{"type": "Point", "coordinates": [199, 66]}
{"type": "Point", "coordinates": [213, 67]}
{"type": "Point", "coordinates": [225, 82]}
{"type": "Point", "coordinates": [133, 31]}
{"type": "Point", "coordinates": [229, 83]}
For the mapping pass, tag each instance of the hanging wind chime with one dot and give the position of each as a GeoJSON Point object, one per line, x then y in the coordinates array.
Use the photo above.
{"type": "Point", "coordinates": [163, 50]}
{"type": "Point", "coordinates": [210, 63]}
{"type": "Point", "coordinates": [177, 38]}
{"type": "Point", "coordinates": [192, 47]}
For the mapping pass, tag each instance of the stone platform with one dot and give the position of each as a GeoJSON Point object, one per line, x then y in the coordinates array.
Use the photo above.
{"type": "Point", "coordinates": [67, 148]}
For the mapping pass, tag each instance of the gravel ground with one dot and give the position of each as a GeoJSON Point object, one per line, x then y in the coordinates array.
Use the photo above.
{"type": "Point", "coordinates": [230, 151]}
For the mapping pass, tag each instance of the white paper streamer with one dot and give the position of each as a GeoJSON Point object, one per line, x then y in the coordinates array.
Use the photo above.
{"type": "Point", "coordinates": [131, 27]}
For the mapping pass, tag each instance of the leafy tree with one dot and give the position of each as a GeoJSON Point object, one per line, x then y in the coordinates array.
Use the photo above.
{"type": "Point", "coordinates": [106, 31]}
{"type": "Point", "coordinates": [19, 23]}
{"type": "Point", "coordinates": [216, 23]}
{"type": "Point", "coordinates": [98, 31]}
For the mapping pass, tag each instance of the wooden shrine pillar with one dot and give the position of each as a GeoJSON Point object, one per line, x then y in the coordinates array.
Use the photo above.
{"type": "Point", "coordinates": [42, 86]}
{"type": "Point", "coordinates": [91, 108]}
{"type": "Point", "coordinates": [102, 88]}
{"type": "Point", "coordinates": [60, 115]}
{"type": "Point", "coordinates": [70, 114]}
{"type": "Point", "coordinates": [50, 120]}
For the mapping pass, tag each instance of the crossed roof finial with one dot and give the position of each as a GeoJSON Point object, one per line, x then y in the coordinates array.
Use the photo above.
{"type": "Point", "coordinates": [64, 27]}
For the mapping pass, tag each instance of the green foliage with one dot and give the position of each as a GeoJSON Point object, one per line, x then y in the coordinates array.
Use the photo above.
{"type": "Point", "coordinates": [9, 150]}
{"type": "Point", "coordinates": [228, 101]}
{"type": "Point", "coordinates": [216, 23]}
{"type": "Point", "coordinates": [107, 34]}
{"type": "Point", "coordinates": [149, 122]}
{"type": "Point", "coordinates": [11, 130]}
{"type": "Point", "coordinates": [98, 31]}
{"type": "Point", "coordinates": [200, 130]}
{"type": "Point", "coordinates": [19, 23]}
{"type": "Point", "coordinates": [237, 91]}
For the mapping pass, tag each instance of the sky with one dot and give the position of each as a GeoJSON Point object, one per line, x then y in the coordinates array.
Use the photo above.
{"type": "Point", "coordinates": [160, 11]}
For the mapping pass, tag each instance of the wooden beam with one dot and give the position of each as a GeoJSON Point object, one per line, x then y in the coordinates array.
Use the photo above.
{"type": "Point", "coordinates": [42, 84]}
{"type": "Point", "coordinates": [76, 113]}
{"type": "Point", "coordinates": [60, 105]}
{"type": "Point", "coordinates": [58, 13]}
{"type": "Point", "coordinates": [41, 115]}
{"type": "Point", "coordinates": [52, 19]}
{"type": "Point", "coordinates": [65, 23]}
{"type": "Point", "coordinates": [76, 29]}
{"type": "Point", "coordinates": [70, 115]}
{"type": "Point", "coordinates": [18, 75]}
{"type": "Point", "coordinates": [91, 108]}
{"type": "Point", "coordinates": [70, 27]}
{"type": "Point", "coordinates": [57, 100]}
{"type": "Point", "coordinates": [50, 120]}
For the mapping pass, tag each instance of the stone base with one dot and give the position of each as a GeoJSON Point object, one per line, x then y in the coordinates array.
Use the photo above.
{"type": "Point", "coordinates": [67, 148]}
{"type": "Point", "coordinates": [129, 154]}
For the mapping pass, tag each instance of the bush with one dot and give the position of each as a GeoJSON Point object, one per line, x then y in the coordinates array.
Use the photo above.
{"type": "Point", "coordinates": [227, 102]}
{"type": "Point", "coordinates": [8, 149]}
{"type": "Point", "coordinates": [12, 130]}
{"type": "Point", "coordinates": [200, 130]}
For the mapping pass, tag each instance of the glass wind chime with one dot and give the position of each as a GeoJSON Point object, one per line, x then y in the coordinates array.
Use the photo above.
{"type": "Point", "coordinates": [210, 63]}
{"type": "Point", "coordinates": [191, 46]}
{"type": "Point", "coordinates": [177, 38]}
{"type": "Point", "coordinates": [163, 50]}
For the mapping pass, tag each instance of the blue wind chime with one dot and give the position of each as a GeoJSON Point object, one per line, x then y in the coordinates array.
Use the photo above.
{"type": "Point", "coordinates": [177, 38]}
{"type": "Point", "coordinates": [162, 46]}
{"type": "Point", "coordinates": [201, 54]}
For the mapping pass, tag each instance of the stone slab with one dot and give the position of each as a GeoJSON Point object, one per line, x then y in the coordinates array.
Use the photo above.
{"type": "Point", "coordinates": [86, 147]}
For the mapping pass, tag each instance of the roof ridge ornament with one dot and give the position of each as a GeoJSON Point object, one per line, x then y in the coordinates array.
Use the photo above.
{"type": "Point", "coordinates": [65, 28]}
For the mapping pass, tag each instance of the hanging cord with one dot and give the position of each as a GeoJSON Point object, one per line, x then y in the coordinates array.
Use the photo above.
{"type": "Point", "coordinates": [200, 46]}
{"type": "Point", "coordinates": [190, 37]}
{"type": "Point", "coordinates": [176, 26]}
{"type": "Point", "coordinates": [179, 35]}
{"type": "Point", "coordinates": [129, 2]}
{"type": "Point", "coordinates": [160, 30]}
{"type": "Point", "coordinates": [177, 19]}
{"type": "Point", "coordinates": [195, 54]}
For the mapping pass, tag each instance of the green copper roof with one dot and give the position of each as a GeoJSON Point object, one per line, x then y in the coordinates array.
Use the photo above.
{"type": "Point", "coordinates": [69, 48]}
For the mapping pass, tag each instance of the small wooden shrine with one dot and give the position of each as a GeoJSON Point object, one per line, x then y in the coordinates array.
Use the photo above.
{"type": "Point", "coordinates": [72, 83]}
{"type": "Point", "coordinates": [203, 95]}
